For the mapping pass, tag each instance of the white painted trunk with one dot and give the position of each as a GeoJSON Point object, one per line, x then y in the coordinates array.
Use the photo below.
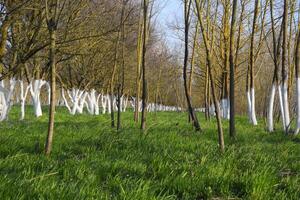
{"type": "Point", "coordinates": [65, 100]}
{"type": "Point", "coordinates": [5, 98]}
{"type": "Point", "coordinates": [108, 104]}
{"type": "Point", "coordinates": [103, 103]}
{"type": "Point", "coordinates": [281, 106]}
{"type": "Point", "coordinates": [35, 91]}
{"type": "Point", "coordinates": [285, 106]}
{"type": "Point", "coordinates": [49, 92]}
{"type": "Point", "coordinates": [91, 102]}
{"type": "Point", "coordinates": [115, 106]}
{"type": "Point", "coordinates": [249, 106]}
{"type": "Point", "coordinates": [81, 103]}
{"type": "Point", "coordinates": [23, 96]}
{"type": "Point", "coordinates": [298, 105]}
{"type": "Point", "coordinates": [270, 111]}
{"type": "Point", "coordinates": [253, 113]}
{"type": "Point", "coordinates": [97, 110]}
{"type": "Point", "coordinates": [125, 103]}
{"type": "Point", "coordinates": [225, 108]}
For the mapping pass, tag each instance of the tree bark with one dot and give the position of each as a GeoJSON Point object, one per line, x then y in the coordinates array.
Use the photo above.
{"type": "Point", "coordinates": [144, 94]}
{"type": "Point", "coordinates": [284, 73]}
{"type": "Point", "coordinates": [192, 114]}
{"type": "Point", "coordinates": [232, 131]}
{"type": "Point", "coordinates": [52, 62]}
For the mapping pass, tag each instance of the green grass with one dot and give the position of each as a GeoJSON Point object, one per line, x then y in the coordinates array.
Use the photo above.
{"type": "Point", "coordinates": [92, 161]}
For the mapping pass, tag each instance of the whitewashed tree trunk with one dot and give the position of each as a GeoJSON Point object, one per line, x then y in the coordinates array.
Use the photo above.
{"type": "Point", "coordinates": [3, 103]}
{"type": "Point", "coordinates": [5, 98]}
{"type": "Point", "coordinates": [298, 106]}
{"type": "Point", "coordinates": [249, 106]}
{"type": "Point", "coordinates": [65, 100]}
{"type": "Point", "coordinates": [115, 106]}
{"type": "Point", "coordinates": [270, 111]}
{"type": "Point", "coordinates": [285, 106]}
{"type": "Point", "coordinates": [103, 103]}
{"type": "Point", "coordinates": [23, 95]}
{"type": "Point", "coordinates": [75, 96]}
{"type": "Point", "coordinates": [91, 103]}
{"type": "Point", "coordinates": [82, 103]}
{"type": "Point", "coordinates": [49, 93]}
{"type": "Point", "coordinates": [97, 110]}
{"type": "Point", "coordinates": [108, 104]}
{"type": "Point", "coordinates": [125, 103]}
{"type": "Point", "coordinates": [281, 106]}
{"type": "Point", "coordinates": [253, 113]}
{"type": "Point", "coordinates": [35, 91]}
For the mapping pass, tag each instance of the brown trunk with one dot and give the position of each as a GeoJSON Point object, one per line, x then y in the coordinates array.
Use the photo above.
{"type": "Point", "coordinates": [52, 62]}
{"type": "Point", "coordinates": [208, 49]}
{"type": "Point", "coordinates": [232, 131]}
{"type": "Point", "coordinates": [112, 83]}
{"type": "Point", "coordinates": [192, 114]}
{"type": "Point", "coordinates": [138, 69]}
{"type": "Point", "coordinates": [119, 108]}
{"type": "Point", "coordinates": [144, 94]}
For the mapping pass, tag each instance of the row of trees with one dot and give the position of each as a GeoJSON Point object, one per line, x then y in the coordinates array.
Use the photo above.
{"type": "Point", "coordinates": [88, 53]}
{"type": "Point", "coordinates": [246, 40]}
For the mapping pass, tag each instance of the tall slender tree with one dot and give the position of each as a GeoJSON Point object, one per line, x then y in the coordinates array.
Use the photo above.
{"type": "Point", "coordinates": [144, 50]}
{"type": "Point", "coordinates": [284, 72]}
{"type": "Point", "coordinates": [192, 114]}
{"type": "Point", "coordinates": [232, 132]}
{"type": "Point", "coordinates": [52, 17]}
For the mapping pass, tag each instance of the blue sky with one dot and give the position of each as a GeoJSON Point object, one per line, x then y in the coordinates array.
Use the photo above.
{"type": "Point", "coordinates": [171, 11]}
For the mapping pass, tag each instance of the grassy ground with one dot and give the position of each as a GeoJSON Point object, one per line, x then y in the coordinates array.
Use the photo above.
{"type": "Point", "coordinates": [92, 161]}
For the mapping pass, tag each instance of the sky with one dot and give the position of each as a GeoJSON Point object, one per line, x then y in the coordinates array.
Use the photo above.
{"type": "Point", "coordinates": [171, 11]}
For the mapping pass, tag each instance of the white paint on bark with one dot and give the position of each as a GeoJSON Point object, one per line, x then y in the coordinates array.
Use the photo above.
{"type": "Point", "coordinates": [23, 95]}
{"type": "Point", "coordinates": [35, 91]}
{"type": "Point", "coordinates": [285, 106]}
{"type": "Point", "coordinates": [253, 113]}
{"type": "Point", "coordinates": [298, 105]}
{"type": "Point", "coordinates": [270, 111]}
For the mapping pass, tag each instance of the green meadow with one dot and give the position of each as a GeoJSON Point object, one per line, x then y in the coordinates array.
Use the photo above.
{"type": "Point", "coordinates": [90, 160]}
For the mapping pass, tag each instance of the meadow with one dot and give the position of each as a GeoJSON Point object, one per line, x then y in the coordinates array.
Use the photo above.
{"type": "Point", "coordinates": [90, 160]}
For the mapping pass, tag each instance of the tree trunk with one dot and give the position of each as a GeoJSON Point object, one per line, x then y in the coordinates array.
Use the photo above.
{"type": "Point", "coordinates": [297, 71]}
{"type": "Point", "coordinates": [138, 69]}
{"type": "Point", "coordinates": [209, 49]}
{"type": "Point", "coordinates": [284, 73]}
{"type": "Point", "coordinates": [144, 81]}
{"type": "Point", "coordinates": [119, 108]}
{"type": "Point", "coordinates": [52, 62]}
{"type": "Point", "coordinates": [187, 5]}
{"type": "Point", "coordinates": [250, 89]}
{"type": "Point", "coordinates": [232, 131]}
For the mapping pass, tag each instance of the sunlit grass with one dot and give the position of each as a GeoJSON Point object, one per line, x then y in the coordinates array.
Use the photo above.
{"type": "Point", "coordinates": [171, 161]}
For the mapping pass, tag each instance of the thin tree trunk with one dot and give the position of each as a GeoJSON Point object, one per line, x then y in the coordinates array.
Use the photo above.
{"type": "Point", "coordinates": [284, 73]}
{"type": "Point", "coordinates": [297, 71]}
{"type": "Point", "coordinates": [119, 108]}
{"type": "Point", "coordinates": [187, 6]}
{"type": "Point", "coordinates": [52, 61]}
{"type": "Point", "coordinates": [250, 89]}
{"type": "Point", "coordinates": [209, 63]}
{"type": "Point", "coordinates": [232, 131]}
{"type": "Point", "coordinates": [138, 68]}
{"type": "Point", "coordinates": [144, 94]}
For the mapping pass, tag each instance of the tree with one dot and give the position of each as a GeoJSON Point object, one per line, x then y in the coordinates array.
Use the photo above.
{"type": "Point", "coordinates": [143, 62]}
{"type": "Point", "coordinates": [192, 114]}
{"type": "Point", "coordinates": [52, 18]}
{"type": "Point", "coordinates": [209, 50]}
{"type": "Point", "coordinates": [232, 70]}
{"type": "Point", "coordinates": [284, 72]}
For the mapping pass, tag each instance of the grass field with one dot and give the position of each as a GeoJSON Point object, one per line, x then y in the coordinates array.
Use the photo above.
{"type": "Point", "coordinates": [92, 161]}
